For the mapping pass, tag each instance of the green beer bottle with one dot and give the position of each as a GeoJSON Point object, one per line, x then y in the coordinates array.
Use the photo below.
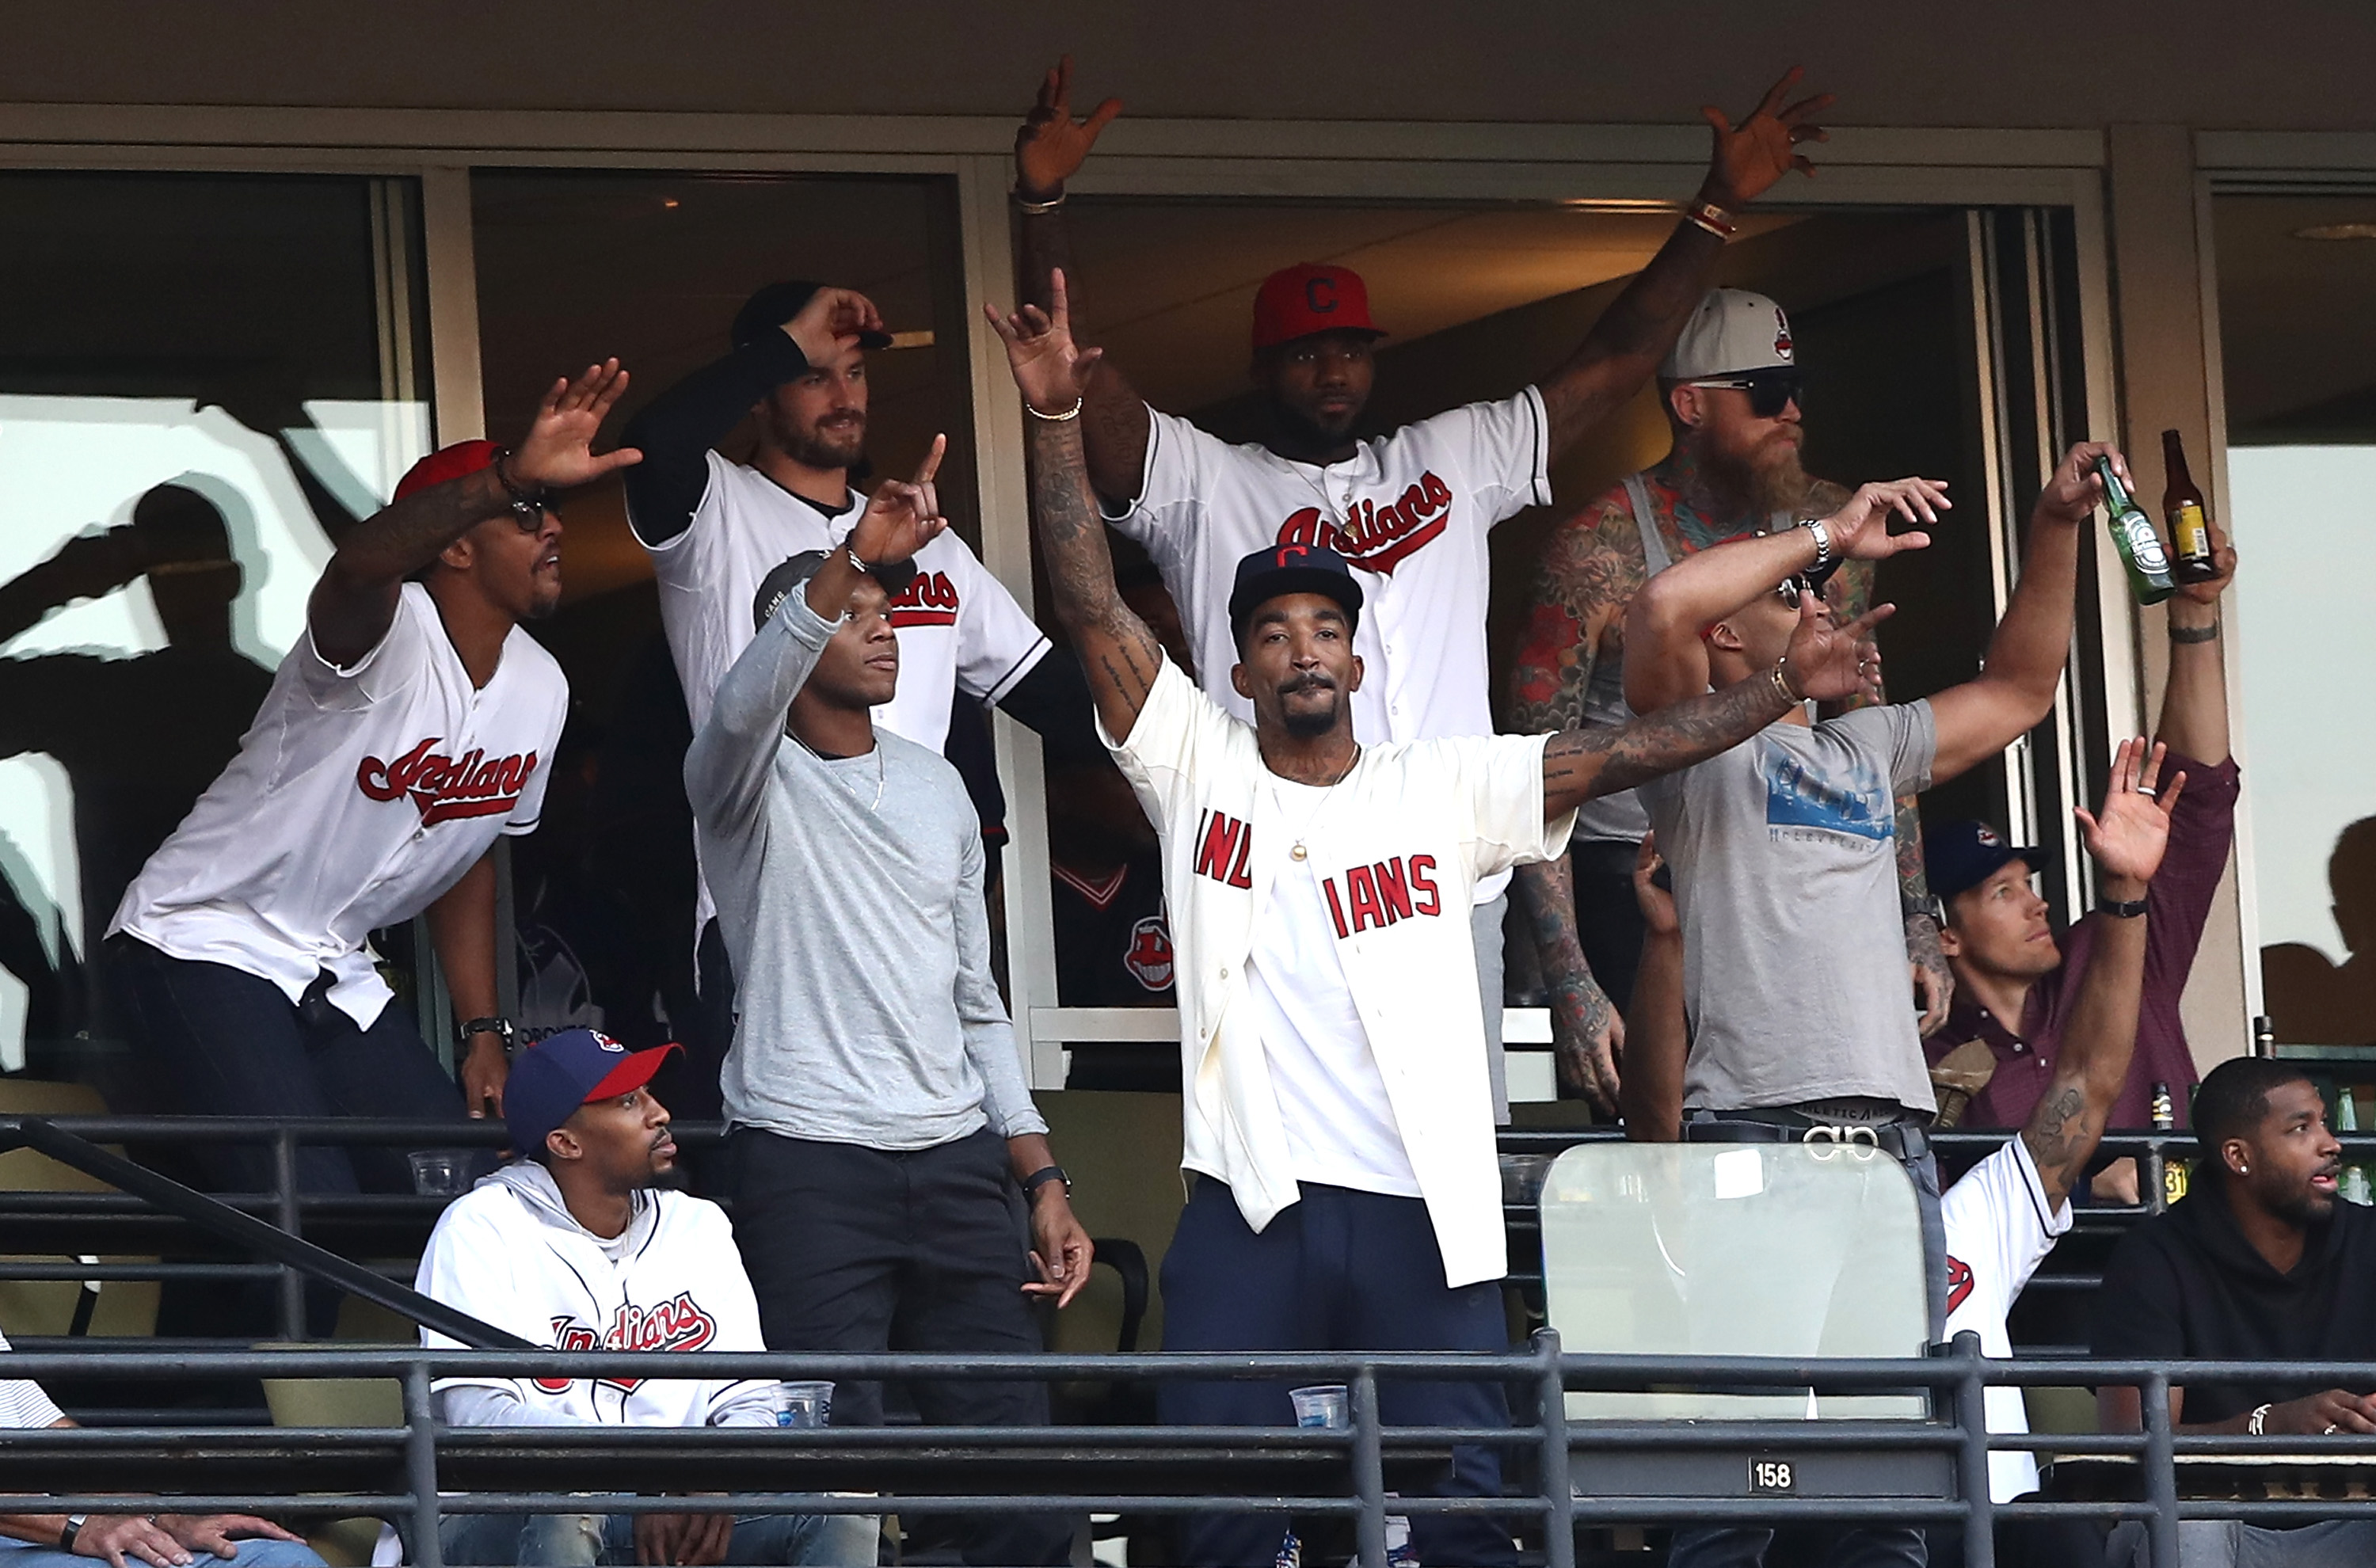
{"type": "Point", "coordinates": [2132, 532]}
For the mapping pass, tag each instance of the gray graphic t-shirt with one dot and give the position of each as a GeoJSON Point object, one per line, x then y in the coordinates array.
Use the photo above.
{"type": "Point", "coordinates": [1785, 856]}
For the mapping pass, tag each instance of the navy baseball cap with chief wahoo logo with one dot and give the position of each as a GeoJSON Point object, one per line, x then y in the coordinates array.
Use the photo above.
{"type": "Point", "coordinates": [1291, 568]}
{"type": "Point", "coordinates": [1959, 856]}
{"type": "Point", "coordinates": [777, 304]}
{"type": "Point", "coordinates": [559, 1073]}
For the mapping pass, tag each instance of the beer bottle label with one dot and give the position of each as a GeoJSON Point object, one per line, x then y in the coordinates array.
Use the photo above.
{"type": "Point", "coordinates": [2145, 545]}
{"type": "Point", "coordinates": [2189, 534]}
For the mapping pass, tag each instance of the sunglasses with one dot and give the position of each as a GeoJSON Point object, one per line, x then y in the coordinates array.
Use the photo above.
{"type": "Point", "coordinates": [1809, 581]}
{"type": "Point", "coordinates": [1770, 391]}
{"type": "Point", "coordinates": [528, 514]}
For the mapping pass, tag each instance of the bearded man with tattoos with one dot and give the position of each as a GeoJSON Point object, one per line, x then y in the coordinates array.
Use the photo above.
{"type": "Point", "coordinates": [1336, 1104]}
{"type": "Point", "coordinates": [1734, 395]}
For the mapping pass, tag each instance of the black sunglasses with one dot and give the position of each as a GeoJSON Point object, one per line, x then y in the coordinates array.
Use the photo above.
{"type": "Point", "coordinates": [529, 512]}
{"type": "Point", "coordinates": [1770, 391]}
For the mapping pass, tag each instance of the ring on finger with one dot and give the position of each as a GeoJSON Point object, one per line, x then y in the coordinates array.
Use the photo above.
{"type": "Point", "coordinates": [2147, 790]}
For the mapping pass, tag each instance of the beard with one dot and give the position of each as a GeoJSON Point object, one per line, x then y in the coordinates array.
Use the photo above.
{"type": "Point", "coordinates": [1767, 480]}
{"type": "Point", "coordinates": [822, 448]}
{"type": "Point", "coordinates": [1306, 724]}
{"type": "Point", "coordinates": [1299, 429]}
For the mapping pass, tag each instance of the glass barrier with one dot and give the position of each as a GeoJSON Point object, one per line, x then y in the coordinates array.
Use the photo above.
{"type": "Point", "coordinates": [1733, 1250]}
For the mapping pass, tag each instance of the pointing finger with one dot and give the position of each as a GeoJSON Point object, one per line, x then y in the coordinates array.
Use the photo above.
{"type": "Point", "coordinates": [932, 463]}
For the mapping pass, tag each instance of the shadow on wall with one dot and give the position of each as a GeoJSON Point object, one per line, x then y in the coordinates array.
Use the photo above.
{"type": "Point", "coordinates": [2312, 1000]}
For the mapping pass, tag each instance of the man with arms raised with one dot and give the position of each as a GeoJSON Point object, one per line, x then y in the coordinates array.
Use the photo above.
{"type": "Point", "coordinates": [413, 726]}
{"type": "Point", "coordinates": [2259, 1262]}
{"type": "Point", "coordinates": [1336, 1102]}
{"type": "Point", "coordinates": [1408, 511]}
{"type": "Point", "coordinates": [714, 528]}
{"type": "Point", "coordinates": [885, 1146]}
{"type": "Point", "coordinates": [1784, 848]}
{"type": "Point", "coordinates": [1734, 393]}
{"type": "Point", "coordinates": [2005, 1214]}
{"type": "Point", "coordinates": [581, 1245]}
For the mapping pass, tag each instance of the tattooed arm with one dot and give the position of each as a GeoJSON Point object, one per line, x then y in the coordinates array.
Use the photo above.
{"type": "Point", "coordinates": [1118, 652]}
{"type": "Point", "coordinates": [1591, 566]}
{"type": "Point", "coordinates": [2127, 840]}
{"type": "Point", "coordinates": [1824, 663]}
{"type": "Point", "coordinates": [355, 603]}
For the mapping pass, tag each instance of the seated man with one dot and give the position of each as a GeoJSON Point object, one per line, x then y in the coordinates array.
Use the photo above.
{"type": "Point", "coordinates": [161, 1540]}
{"type": "Point", "coordinates": [2015, 987]}
{"type": "Point", "coordinates": [2259, 1262]}
{"type": "Point", "coordinates": [579, 1244]}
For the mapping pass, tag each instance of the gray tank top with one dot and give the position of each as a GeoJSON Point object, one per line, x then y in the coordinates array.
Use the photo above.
{"type": "Point", "coordinates": [1620, 819]}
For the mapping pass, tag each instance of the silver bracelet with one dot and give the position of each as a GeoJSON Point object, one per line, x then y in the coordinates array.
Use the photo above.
{"type": "Point", "coordinates": [1038, 209]}
{"type": "Point", "coordinates": [863, 569]}
{"type": "Point", "coordinates": [1816, 526]}
{"type": "Point", "coordinates": [1071, 413]}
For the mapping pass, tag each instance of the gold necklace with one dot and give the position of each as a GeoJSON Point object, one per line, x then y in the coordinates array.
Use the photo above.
{"type": "Point", "coordinates": [1297, 851]}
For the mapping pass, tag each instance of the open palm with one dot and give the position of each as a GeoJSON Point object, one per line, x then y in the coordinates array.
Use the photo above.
{"type": "Point", "coordinates": [558, 450]}
{"type": "Point", "coordinates": [1752, 156]}
{"type": "Point", "coordinates": [1832, 663]}
{"type": "Point", "coordinates": [2128, 835]}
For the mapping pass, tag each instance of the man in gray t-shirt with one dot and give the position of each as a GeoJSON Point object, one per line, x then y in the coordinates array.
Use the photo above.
{"type": "Point", "coordinates": [1784, 848]}
{"type": "Point", "coordinates": [884, 1148]}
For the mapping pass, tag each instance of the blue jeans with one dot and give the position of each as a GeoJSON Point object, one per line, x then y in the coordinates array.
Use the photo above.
{"type": "Point", "coordinates": [582, 1540]}
{"type": "Point", "coordinates": [259, 1553]}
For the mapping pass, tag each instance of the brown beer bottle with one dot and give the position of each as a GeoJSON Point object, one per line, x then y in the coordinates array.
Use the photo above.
{"type": "Point", "coordinates": [2191, 560]}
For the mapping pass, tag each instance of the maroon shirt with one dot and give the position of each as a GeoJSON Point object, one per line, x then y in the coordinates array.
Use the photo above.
{"type": "Point", "coordinates": [2202, 828]}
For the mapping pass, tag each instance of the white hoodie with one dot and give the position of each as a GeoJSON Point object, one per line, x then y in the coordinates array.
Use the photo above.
{"type": "Point", "coordinates": [509, 1254]}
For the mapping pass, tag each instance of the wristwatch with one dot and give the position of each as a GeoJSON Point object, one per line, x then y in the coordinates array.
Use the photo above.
{"type": "Point", "coordinates": [1041, 1177]}
{"type": "Point", "coordinates": [74, 1528]}
{"type": "Point", "coordinates": [501, 1028]}
{"type": "Point", "coordinates": [2118, 910]}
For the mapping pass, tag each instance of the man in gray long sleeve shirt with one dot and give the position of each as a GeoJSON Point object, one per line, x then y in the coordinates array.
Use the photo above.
{"type": "Point", "coordinates": [884, 1146]}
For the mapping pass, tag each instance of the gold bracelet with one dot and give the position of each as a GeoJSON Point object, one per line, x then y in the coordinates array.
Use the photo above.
{"type": "Point", "coordinates": [1071, 413]}
{"type": "Point", "coordinates": [1782, 683]}
{"type": "Point", "coordinates": [1038, 209]}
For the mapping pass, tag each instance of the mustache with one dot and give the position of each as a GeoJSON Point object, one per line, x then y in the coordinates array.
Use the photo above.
{"type": "Point", "coordinates": [1311, 680]}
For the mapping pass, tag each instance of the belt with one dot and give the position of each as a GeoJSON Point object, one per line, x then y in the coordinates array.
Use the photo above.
{"type": "Point", "coordinates": [1901, 1140]}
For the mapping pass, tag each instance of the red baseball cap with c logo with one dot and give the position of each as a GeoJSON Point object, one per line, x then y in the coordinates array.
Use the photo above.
{"type": "Point", "coordinates": [1309, 297]}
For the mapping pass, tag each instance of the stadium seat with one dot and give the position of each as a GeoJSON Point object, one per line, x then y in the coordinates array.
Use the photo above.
{"type": "Point", "coordinates": [31, 1308]}
{"type": "Point", "coordinates": [336, 1402]}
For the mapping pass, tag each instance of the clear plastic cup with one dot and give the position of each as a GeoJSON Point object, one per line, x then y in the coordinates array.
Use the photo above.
{"type": "Point", "coordinates": [806, 1405]}
{"type": "Point", "coordinates": [440, 1172]}
{"type": "Point", "coordinates": [1322, 1405]}
{"type": "Point", "coordinates": [1521, 1177]}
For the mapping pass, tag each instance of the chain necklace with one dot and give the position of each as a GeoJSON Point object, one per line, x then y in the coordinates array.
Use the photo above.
{"type": "Point", "coordinates": [876, 807]}
{"type": "Point", "coordinates": [1297, 850]}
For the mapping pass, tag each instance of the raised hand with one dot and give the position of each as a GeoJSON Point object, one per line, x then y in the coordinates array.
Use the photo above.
{"type": "Point", "coordinates": [2128, 835]}
{"type": "Point", "coordinates": [1051, 369]}
{"type": "Point", "coordinates": [2074, 491]}
{"type": "Point", "coordinates": [1050, 146]}
{"type": "Point", "coordinates": [558, 450]}
{"type": "Point", "coordinates": [828, 325]}
{"type": "Point", "coordinates": [2222, 557]}
{"type": "Point", "coordinates": [901, 516]}
{"type": "Point", "coordinates": [1752, 155]}
{"type": "Point", "coordinates": [1860, 529]}
{"type": "Point", "coordinates": [1832, 663]}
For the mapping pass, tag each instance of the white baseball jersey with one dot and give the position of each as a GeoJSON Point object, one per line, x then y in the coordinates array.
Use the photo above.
{"type": "Point", "coordinates": [24, 1404]}
{"type": "Point", "coordinates": [1410, 511]}
{"type": "Point", "coordinates": [509, 1254]}
{"type": "Point", "coordinates": [358, 797]}
{"type": "Point", "coordinates": [1998, 1230]}
{"type": "Point", "coordinates": [1397, 855]}
{"type": "Point", "coordinates": [958, 628]}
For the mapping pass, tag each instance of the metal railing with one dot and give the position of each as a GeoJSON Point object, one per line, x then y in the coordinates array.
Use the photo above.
{"type": "Point", "coordinates": [420, 1471]}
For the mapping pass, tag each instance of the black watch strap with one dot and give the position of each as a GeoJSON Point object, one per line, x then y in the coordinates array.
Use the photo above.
{"type": "Point", "coordinates": [74, 1524]}
{"type": "Point", "coordinates": [501, 1028]}
{"type": "Point", "coordinates": [1041, 1177]}
{"type": "Point", "coordinates": [2118, 910]}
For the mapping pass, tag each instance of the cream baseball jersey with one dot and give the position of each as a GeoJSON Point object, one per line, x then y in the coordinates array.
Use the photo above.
{"type": "Point", "coordinates": [1397, 855]}
{"type": "Point", "coordinates": [1409, 511]}
{"type": "Point", "coordinates": [1998, 1230]}
{"type": "Point", "coordinates": [358, 796]}
{"type": "Point", "coordinates": [509, 1254]}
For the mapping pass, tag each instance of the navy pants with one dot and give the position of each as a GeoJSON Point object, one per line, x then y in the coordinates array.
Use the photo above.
{"type": "Point", "coordinates": [1341, 1270]}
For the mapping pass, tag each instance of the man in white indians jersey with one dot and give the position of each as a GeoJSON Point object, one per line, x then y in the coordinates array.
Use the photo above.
{"type": "Point", "coordinates": [1336, 1107]}
{"type": "Point", "coordinates": [714, 527]}
{"type": "Point", "coordinates": [580, 1245]}
{"type": "Point", "coordinates": [1409, 510]}
{"type": "Point", "coordinates": [411, 727]}
{"type": "Point", "coordinates": [2004, 1214]}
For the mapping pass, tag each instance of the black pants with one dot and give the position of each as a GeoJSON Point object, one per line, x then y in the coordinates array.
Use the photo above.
{"type": "Point", "coordinates": [1340, 1270]}
{"type": "Point", "coordinates": [230, 1044]}
{"type": "Point", "coordinates": [855, 1249]}
{"type": "Point", "coordinates": [687, 1085]}
{"type": "Point", "coordinates": [1608, 916]}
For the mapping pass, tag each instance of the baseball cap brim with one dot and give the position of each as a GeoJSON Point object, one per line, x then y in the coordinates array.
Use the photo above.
{"type": "Point", "coordinates": [634, 1073]}
{"type": "Point", "coordinates": [1989, 864]}
{"type": "Point", "coordinates": [1255, 592]}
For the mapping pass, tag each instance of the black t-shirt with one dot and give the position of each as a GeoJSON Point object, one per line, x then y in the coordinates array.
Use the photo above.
{"type": "Point", "coordinates": [1114, 945]}
{"type": "Point", "coordinates": [2188, 1284]}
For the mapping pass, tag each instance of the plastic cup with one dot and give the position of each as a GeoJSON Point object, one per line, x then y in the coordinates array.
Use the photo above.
{"type": "Point", "coordinates": [806, 1405]}
{"type": "Point", "coordinates": [1521, 1177]}
{"type": "Point", "coordinates": [1322, 1405]}
{"type": "Point", "coordinates": [440, 1172]}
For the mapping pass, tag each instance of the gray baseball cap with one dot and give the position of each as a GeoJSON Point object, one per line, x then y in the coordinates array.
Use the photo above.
{"type": "Point", "coordinates": [1734, 330]}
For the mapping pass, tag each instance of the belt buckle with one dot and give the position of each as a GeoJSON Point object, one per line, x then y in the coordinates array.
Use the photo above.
{"type": "Point", "coordinates": [1863, 1142]}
